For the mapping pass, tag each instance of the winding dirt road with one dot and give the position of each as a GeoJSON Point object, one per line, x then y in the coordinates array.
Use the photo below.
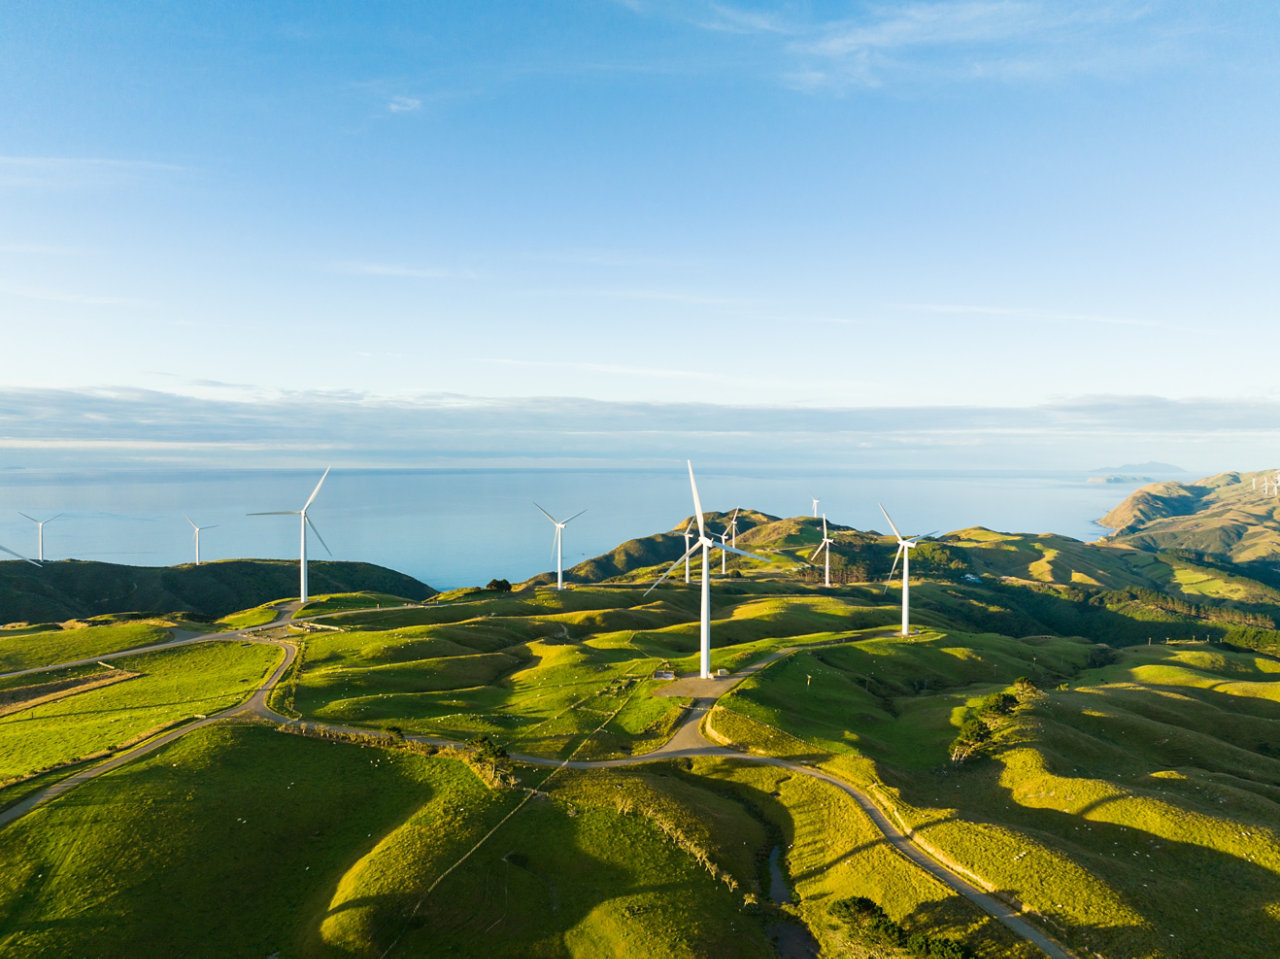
{"type": "Point", "coordinates": [687, 740]}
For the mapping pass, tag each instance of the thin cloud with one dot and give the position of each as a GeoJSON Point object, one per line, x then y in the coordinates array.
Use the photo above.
{"type": "Point", "coordinates": [1046, 316]}
{"type": "Point", "coordinates": [39, 249]}
{"type": "Point", "coordinates": [118, 425]}
{"type": "Point", "coordinates": [60, 296]}
{"type": "Point", "coordinates": [69, 172]}
{"type": "Point", "coordinates": [609, 368]}
{"type": "Point", "coordinates": [663, 296]}
{"type": "Point", "coordinates": [729, 19]}
{"type": "Point", "coordinates": [1003, 40]}
{"type": "Point", "coordinates": [358, 268]}
{"type": "Point", "coordinates": [404, 105]}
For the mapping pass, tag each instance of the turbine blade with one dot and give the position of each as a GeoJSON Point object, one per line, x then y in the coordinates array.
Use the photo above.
{"type": "Point", "coordinates": [891, 526]}
{"type": "Point", "coordinates": [189, 520]}
{"type": "Point", "coordinates": [680, 561]}
{"type": "Point", "coordinates": [573, 517]}
{"type": "Point", "coordinates": [318, 536]}
{"type": "Point", "coordinates": [697, 503]}
{"type": "Point", "coordinates": [53, 517]}
{"type": "Point", "coordinates": [824, 526]}
{"type": "Point", "coordinates": [544, 512]}
{"type": "Point", "coordinates": [32, 518]}
{"type": "Point", "coordinates": [277, 512]}
{"type": "Point", "coordinates": [740, 552]}
{"type": "Point", "coordinates": [894, 567]}
{"type": "Point", "coordinates": [19, 555]}
{"type": "Point", "coordinates": [816, 552]}
{"type": "Point", "coordinates": [311, 499]}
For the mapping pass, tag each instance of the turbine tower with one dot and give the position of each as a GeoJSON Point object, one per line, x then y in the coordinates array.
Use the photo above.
{"type": "Point", "coordinates": [304, 521]}
{"type": "Point", "coordinates": [39, 534]}
{"type": "Point", "coordinates": [816, 501]}
{"type": "Point", "coordinates": [195, 536]}
{"type": "Point", "coordinates": [905, 545]}
{"type": "Point", "coordinates": [706, 544]}
{"type": "Point", "coordinates": [557, 543]}
{"type": "Point", "coordinates": [824, 546]}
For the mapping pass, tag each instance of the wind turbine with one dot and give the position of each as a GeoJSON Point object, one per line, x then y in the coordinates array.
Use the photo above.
{"type": "Point", "coordinates": [733, 528]}
{"type": "Point", "coordinates": [557, 546]}
{"type": "Point", "coordinates": [724, 554]}
{"type": "Point", "coordinates": [905, 545]}
{"type": "Point", "coordinates": [304, 521]}
{"type": "Point", "coordinates": [687, 536]}
{"type": "Point", "coordinates": [195, 536]}
{"type": "Point", "coordinates": [706, 544]}
{"type": "Point", "coordinates": [816, 501]}
{"type": "Point", "coordinates": [25, 559]}
{"type": "Point", "coordinates": [39, 533]}
{"type": "Point", "coordinates": [824, 546]}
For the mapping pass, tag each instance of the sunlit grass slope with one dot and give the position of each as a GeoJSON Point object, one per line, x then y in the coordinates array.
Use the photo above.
{"type": "Point", "coordinates": [172, 685]}
{"type": "Point", "coordinates": [238, 841]}
{"type": "Point", "coordinates": [543, 670]}
{"type": "Point", "coordinates": [1137, 807]}
{"type": "Point", "coordinates": [26, 649]}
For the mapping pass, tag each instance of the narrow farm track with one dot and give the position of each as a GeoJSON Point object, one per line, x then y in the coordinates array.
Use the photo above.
{"type": "Point", "coordinates": [687, 740]}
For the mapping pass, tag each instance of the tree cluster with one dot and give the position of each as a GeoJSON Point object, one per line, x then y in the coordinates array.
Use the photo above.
{"type": "Point", "coordinates": [871, 926]}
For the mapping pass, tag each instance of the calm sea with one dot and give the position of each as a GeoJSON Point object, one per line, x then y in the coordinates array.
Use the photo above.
{"type": "Point", "coordinates": [464, 527]}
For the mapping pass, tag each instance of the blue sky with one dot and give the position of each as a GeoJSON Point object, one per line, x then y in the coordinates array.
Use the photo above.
{"type": "Point", "coordinates": [937, 224]}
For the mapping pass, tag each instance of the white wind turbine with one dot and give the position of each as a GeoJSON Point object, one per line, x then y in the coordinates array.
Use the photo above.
{"type": "Point", "coordinates": [687, 536]}
{"type": "Point", "coordinates": [733, 528]}
{"type": "Point", "coordinates": [557, 545]}
{"type": "Point", "coordinates": [816, 501]}
{"type": "Point", "coordinates": [905, 545]}
{"type": "Point", "coordinates": [825, 546]}
{"type": "Point", "coordinates": [195, 536]}
{"type": "Point", "coordinates": [724, 553]}
{"type": "Point", "coordinates": [304, 522]}
{"type": "Point", "coordinates": [706, 544]}
{"type": "Point", "coordinates": [39, 533]}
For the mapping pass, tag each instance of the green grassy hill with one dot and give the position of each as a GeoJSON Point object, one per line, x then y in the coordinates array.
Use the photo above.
{"type": "Point", "coordinates": [1226, 515]}
{"type": "Point", "coordinates": [647, 552]}
{"type": "Point", "coordinates": [1080, 725]}
{"type": "Point", "coordinates": [71, 589]}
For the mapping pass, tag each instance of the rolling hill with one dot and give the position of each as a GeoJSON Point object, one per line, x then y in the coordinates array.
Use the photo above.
{"type": "Point", "coordinates": [1122, 789]}
{"type": "Point", "coordinates": [73, 589]}
{"type": "Point", "coordinates": [1232, 515]}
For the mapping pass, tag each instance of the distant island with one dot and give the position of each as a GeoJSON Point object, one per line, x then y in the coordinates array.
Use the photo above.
{"type": "Point", "coordinates": [1149, 467]}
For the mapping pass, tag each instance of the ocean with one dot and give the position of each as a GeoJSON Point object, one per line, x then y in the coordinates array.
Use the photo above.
{"type": "Point", "coordinates": [462, 527]}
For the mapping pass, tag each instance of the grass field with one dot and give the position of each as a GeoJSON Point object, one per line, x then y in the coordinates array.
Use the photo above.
{"type": "Point", "coordinates": [1131, 799]}
{"type": "Point", "coordinates": [1109, 805]}
{"type": "Point", "coordinates": [355, 838]}
{"type": "Point", "coordinates": [25, 649]}
{"type": "Point", "coordinates": [174, 685]}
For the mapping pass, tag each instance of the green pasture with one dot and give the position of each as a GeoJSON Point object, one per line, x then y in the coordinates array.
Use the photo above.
{"type": "Point", "coordinates": [257, 616]}
{"type": "Point", "coordinates": [239, 841]}
{"type": "Point", "coordinates": [26, 650]}
{"type": "Point", "coordinates": [174, 685]}
{"type": "Point", "coordinates": [542, 671]}
{"type": "Point", "coordinates": [1111, 805]}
